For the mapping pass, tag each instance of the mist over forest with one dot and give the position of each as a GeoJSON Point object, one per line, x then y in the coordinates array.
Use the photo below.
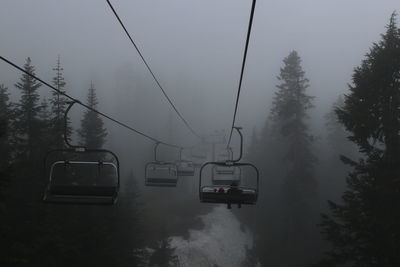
{"type": "Point", "coordinates": [161, 155]}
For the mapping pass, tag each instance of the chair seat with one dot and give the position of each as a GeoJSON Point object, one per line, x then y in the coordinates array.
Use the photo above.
{"type": "Point", "coordinates": [226, 172]}
{"type": "Point", "coordinates": [185, 172]}
{"type": "Point", "coordinates": [80, 190]}
{"type": "Point", "coordinates": [161, 182]}
{"type": "Point", "coordinates": [75, 199]}
{"type": "Point", "coordinates": [239, 195]}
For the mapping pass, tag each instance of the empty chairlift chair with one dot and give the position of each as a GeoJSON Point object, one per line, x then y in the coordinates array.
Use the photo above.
{"type": "Point", "coordinates": [162, 174]}
{"type": "Point", "coordinates": [185, 167]}
{"type": "Point", "coordinates": [81, 176]}
{"type": "Point", "coordinates": [83, 180]}
{"type": "Point", "coordinates": [226, 174]}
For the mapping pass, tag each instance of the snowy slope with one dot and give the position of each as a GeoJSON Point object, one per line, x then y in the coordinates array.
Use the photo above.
{"type": "Point", "coordinates": [220, 243]}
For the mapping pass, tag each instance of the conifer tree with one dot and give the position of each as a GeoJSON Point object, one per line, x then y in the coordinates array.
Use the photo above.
{"type": "Point", "coordinates": [46, 134]}
{"type": "Point", "coordinates": [92, 132]}
{"type": "Point", "coordinates": [364, 229]}
{"type": "Point", "coordinates": [58, 106]}
{"type": "Point", "coordinates": [5, 121]}
{"type": "Point", "coordinates": [5, 148]}
{"type": "Point", "coordinates": [299, 191]}
{"type": "Point", "coordinates": [164, 255]}
{"type": "Point", "coordinates": [333, 172]}
{"type": "Point", "coordinates": [252, 154]}
{"type": "Point", "coordinates": [336, 132]}
{"type": "Point", "coordinates": [27, 126]}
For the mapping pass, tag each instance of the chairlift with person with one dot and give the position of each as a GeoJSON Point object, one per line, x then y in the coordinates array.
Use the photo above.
{"type": "Point", "coordinates": [235, 192]}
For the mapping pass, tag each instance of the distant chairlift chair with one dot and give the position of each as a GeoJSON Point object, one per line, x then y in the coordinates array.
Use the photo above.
{"type": "Point", "coordinates": [226, 174]}
{"type": "Point", "coordinates": [159, 173]}
{"type": "Point", "coordinates": [185, 167]}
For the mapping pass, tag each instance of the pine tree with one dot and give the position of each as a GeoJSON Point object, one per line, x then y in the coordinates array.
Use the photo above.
{"type": "Point", "coordinates": [164, 255]}
{"type": "Point", "coordinates": [364, 229]}
{"type": "Point", "coordinates": [5, 121]}
{"type": "Point", "coordinates": [27, 126]}
{"type": "Point", "coordinates": [335, 130]}
{"type": "Point", "coordinates": [46, 134]}
{"type": "Point", "coordinates": [299, 190]}
{"type": "Point", "coordinates": [92, 132]}
{"type": "Point", "coordinates": [5, 149]}
{"type": "Point", "coordinates": [333, 172]}
{"type": "Point", "coordinates": [253, 151]}
{"type": "Point", "coordinates": [58, 106]}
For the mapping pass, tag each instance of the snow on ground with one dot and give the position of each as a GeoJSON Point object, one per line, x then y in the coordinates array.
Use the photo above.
{"type": "Point", "coordinates": [220, 243]}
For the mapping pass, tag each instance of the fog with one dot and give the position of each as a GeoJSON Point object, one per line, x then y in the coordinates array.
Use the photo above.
{"type": "Point", "coordinates": [195, 49]}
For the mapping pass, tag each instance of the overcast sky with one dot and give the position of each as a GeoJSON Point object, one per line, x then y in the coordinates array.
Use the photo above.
{"type": "Point", "coordinates": [195, 48]}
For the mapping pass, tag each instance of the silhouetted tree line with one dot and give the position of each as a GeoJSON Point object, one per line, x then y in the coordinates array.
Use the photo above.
{"type": "Point", "coordinates": [364, 228]}
{"type": "Point", "coordinates": [362, 129]}
{"type": "Point", "coordinates": [33, 233]}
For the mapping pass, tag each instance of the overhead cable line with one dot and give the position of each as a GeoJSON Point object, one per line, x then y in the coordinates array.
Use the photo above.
{"type": "Point", "coordinates": [88, 107]}
{"type": "Point", "coordinates": [242, 71]}
{"type": "Point", "coordinates": [151, 72]}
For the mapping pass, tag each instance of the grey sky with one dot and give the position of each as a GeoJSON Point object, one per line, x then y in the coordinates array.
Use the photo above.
{"type": "Point", "coordinates": [195, 48]}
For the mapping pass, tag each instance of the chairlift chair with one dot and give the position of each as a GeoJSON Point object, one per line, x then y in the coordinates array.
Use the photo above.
{"type": "Point", "coordinates": [185, 167]}
{"type": "Point", "coordinates": [229, 191]}
{"type": "Point", "coordinates": [225, 193]}
{"type": "Point", "coordinates": [81, 176]}
{"type": "Point", "coordinates": [199, 155]}
{"type": "Point", "coordinates": [82, 181]}
{"type": "Point", "coordinates": [159, 173]}
{"type": "Point", "coordinates": [223, 156]}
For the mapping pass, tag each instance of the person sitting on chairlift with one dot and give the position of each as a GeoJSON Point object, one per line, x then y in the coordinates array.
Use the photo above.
{"type": "Point", "coordinates": [234, 189]}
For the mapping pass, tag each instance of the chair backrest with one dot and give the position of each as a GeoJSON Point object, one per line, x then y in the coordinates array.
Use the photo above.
{"type": "Point", "coordinates": [83, 173]}
{"type": "Point", "coordinates": [80, 176]}
{"type": "Point", "coordinates": [226, 175]}
{"type": "Point", "coordinates": [161, 174]}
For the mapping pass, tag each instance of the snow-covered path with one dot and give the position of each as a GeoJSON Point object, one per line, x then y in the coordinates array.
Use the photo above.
{"type": "Point", "coordinates": [220, 243]}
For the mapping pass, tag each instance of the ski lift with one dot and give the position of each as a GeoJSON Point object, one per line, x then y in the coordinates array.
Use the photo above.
{"type": "Point", "coordinates": [78, 175]}
{"type": "Point", "coordinates": [159, 173]}
{"type": "Point", "coordinates": [235, 192]}
{"type": "Point", "coordinates": [185, 167]}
